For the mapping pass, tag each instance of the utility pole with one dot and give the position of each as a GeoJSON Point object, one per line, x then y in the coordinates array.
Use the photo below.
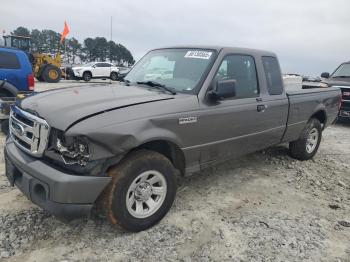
{"type": "Point", "coordinates": [110, 51]}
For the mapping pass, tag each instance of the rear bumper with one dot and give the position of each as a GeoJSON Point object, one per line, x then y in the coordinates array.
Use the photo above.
{"type": "Point", "coordinates": [64, 195]}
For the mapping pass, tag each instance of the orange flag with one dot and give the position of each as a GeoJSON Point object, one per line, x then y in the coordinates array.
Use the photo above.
{"type": "Point", "coordinates": [65, 31]}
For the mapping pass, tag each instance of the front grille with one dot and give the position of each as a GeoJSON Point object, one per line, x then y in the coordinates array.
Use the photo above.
{"type": "Point", "coordinates": [29, 132]}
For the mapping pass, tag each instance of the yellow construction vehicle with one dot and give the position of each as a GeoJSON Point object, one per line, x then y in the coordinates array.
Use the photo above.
{"type": "Point", "coordinates": [45, 67]}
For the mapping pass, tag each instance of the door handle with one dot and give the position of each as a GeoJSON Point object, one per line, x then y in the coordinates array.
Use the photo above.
{"type": "Point", "coordinates": [261, 108]}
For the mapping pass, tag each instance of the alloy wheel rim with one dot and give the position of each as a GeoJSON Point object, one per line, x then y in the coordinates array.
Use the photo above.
{"type": "Point", "coordinates": [146, 194]}
{"type": "Point", "coordinates": [312, 140]}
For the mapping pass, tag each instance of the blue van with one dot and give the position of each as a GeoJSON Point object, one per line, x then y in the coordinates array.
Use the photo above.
{"type": "Point", "coordinates": [16, 75]}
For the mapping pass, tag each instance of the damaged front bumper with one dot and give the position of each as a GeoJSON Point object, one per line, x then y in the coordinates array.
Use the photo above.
{"type": "Point", "coordinates": [64, 195]}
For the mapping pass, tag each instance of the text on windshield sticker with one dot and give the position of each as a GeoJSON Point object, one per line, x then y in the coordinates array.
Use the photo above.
{"type": "Point", "coordinates": [198, 54]}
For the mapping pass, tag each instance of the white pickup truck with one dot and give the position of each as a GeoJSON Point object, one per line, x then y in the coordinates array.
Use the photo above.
{"type": "Point", "coordinates": [96, 70]}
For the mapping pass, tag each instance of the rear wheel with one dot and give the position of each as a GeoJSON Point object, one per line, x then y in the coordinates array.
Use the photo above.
{"type": "Point", "coordinates": [114, 76]}
{"type": "Point", "coordinates": [40, 78]}
{"type": "Point", "coordinates": [87, 76]}
{"type": "Point", "coordinates": [307, 145]}
{"type": "Point", "coordinates": [51, 74]}
{"type": "Point", "coordinates": [142, 190]}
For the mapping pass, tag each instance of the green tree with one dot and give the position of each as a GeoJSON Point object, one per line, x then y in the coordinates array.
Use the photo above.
{"type": "Point", "coordinates": [37, 41]}
{"type": "Point", "coordinates": [89, 48]}
{"type": "Point", "coordinates": [21, 31]}
{"type": "Point", "coordinates": [74, 48]}
{"type": "Point", "coordinates": [92, 49]}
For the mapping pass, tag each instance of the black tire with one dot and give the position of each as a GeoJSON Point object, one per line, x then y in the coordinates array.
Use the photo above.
{"type": "Point", "coordinates": [5, 122]}
{"type": "Point", "coordinates": [69, 73]}
{"type": "Point", "coordinates": [51, 74]}
{"type": "Point", "coordinates": [5, 93]}
{"type": "Point", "coordinates": [87, 76]}
{"type": "Point", "coordinates": [113, 200]}
{"type": "Point", "coordinates": [298, 149]}
{"type": "Point", "coordinates": [114, 76]}
{"type": "Point", "coordinates": [40, 78]}
{"type": "Point", "coordinates": [5, 126]}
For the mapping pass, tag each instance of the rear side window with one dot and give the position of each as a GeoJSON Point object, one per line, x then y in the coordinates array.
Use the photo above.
{"type": "Point", "coordinates": [273, 75]}
{"type": "Point", "coordinates": [9, 60]}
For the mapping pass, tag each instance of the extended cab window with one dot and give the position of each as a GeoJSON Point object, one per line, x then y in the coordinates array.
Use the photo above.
{"type": "Point", "coordinates": [273, 75]}
{"type": "Point", "coordinates": [240, 68]}
{"type": "Point", "coordinates": [9, 60]}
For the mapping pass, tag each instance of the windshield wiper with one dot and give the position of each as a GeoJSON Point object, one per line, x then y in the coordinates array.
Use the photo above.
{"type": "Point", "coordinates": [157, 85]}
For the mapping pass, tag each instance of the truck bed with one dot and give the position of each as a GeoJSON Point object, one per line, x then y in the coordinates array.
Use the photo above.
{"type": "Point", "coordinates": [306, 102]}
{"type": "Point", "coordinates": [313, 91]}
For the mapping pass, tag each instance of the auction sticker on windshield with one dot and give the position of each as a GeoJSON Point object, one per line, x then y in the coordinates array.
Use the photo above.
{"type": "Point", "coordinates": [198, 54]}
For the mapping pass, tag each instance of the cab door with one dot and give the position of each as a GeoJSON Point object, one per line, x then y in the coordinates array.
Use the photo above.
{"type": "Point", "coordinates": [239, 124]}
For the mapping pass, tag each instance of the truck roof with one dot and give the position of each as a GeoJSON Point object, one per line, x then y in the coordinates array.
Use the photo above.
{"type": "Point", "coordinates": [226, 48]}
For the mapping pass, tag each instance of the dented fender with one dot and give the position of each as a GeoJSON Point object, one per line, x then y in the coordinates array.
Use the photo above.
{"type": "Point", "coordinates": [115, 133]}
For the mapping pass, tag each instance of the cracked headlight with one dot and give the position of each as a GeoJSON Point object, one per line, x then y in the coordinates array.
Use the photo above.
{"type": "Point", "coordinates": [73, 150]}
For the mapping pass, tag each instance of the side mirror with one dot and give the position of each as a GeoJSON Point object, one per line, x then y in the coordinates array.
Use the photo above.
{"type": "Point", "coordinates": [325, 75]}
{"type": "Point", "coordinates": [224, 89]}
{"type": "Point", "coordinates": [93, 66]}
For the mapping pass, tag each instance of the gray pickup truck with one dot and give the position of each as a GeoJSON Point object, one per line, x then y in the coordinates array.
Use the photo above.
{"type": "Point", "coordinates": [119, 147]}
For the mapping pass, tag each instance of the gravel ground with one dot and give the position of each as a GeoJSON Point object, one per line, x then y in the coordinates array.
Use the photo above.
{"type": "Point", "coordinates": [262, 207]}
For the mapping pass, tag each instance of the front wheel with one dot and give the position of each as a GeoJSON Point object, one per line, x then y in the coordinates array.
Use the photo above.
{"type": "Point", "coordinates": [142, 190]}
{"type": "Point", "coordinates": [307, 145]}
{"type": "Point", "coordinates": [87, 76]}
{"type": "Point", "coordinates": [51, 74]}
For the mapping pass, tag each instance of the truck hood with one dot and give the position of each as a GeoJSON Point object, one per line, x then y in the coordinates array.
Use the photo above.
{"type": "Point", "coordinates": [64, 107]}
{"type": "Point", "coordinates": [338, 81]}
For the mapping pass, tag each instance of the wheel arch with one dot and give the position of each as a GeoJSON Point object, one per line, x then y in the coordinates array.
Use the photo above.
{"type": "Point", "coordinates": [321, 116]}
{"type": "Point", "coordinates": [169, 149]}
{"type": "Point", "coordinates": [87, 71]}
{"type": "Point", "coordinates": [8, 88]}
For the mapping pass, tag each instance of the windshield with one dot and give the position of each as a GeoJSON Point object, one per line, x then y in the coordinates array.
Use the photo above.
{"type": "Point", "coordinates": [343, 70]}
{"type": "Point", "coordinates": [179, 69]}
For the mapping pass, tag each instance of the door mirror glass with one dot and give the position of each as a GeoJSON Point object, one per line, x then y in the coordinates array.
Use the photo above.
{"type": "Point", "coordinates": [325, 75]}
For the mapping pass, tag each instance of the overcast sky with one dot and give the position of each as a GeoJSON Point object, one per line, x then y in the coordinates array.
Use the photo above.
{"type": "Point", "coordinates": [309, 36]}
